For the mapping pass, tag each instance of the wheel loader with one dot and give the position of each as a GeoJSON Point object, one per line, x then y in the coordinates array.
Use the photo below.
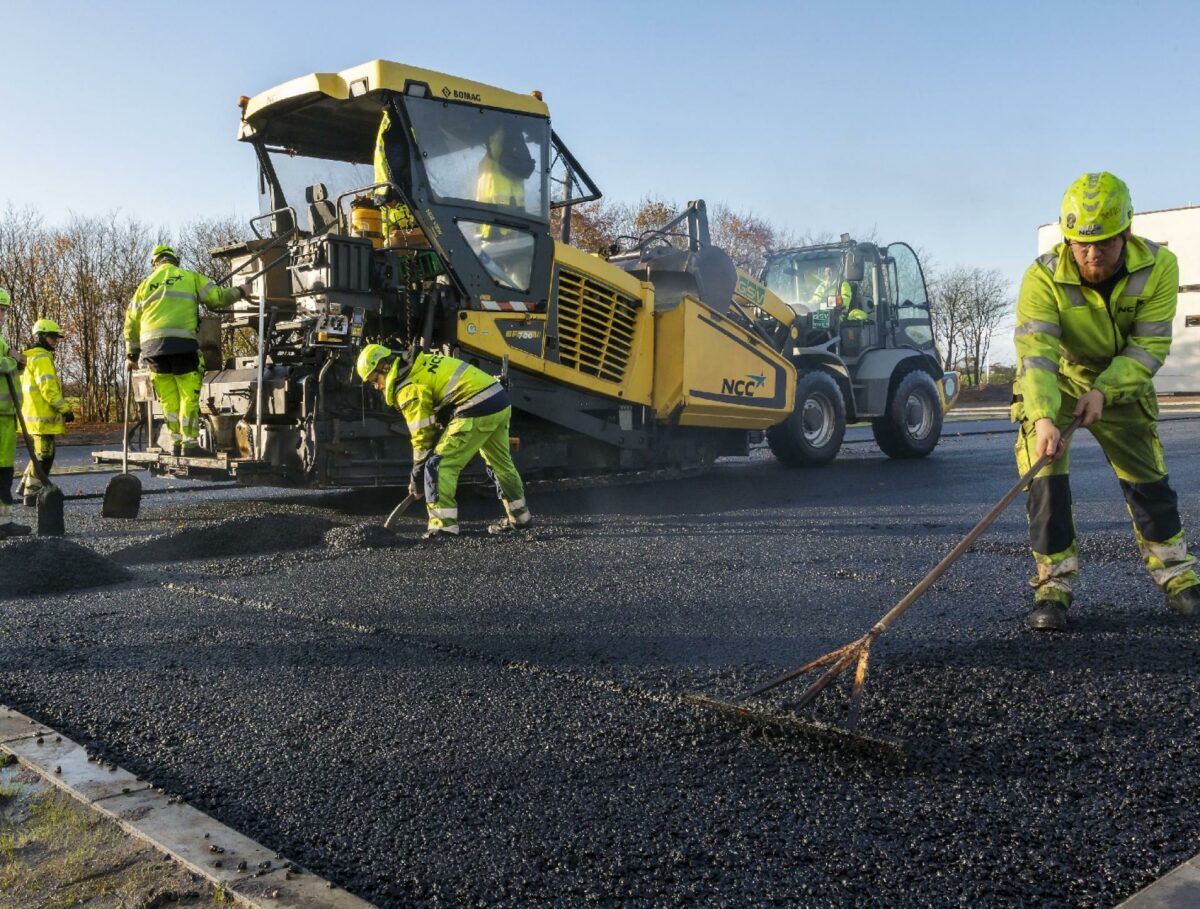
{"type": "Point", "coordinates": [413, 208]}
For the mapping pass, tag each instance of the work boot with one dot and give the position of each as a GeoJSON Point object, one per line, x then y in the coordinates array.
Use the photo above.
{"type": "Point", "coordinates": [507, 525]}
{"type": "Point", "coordinates": [1048, 615]}
{"type": "Point", "coordinates": [177, 449]}
{"type": "Point", "coordinates": [194, 450]}
{"type": "Point", "coordinates": [433, 535]}
{"type": "Point", "coordinates": [1186, 602]}
{"type": "Point", "coordinates": [12, 529]}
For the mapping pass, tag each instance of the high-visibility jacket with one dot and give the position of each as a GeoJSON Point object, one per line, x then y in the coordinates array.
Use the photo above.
{"type": "Point", "coordinates": [496, 186]}
{"type": "Point", "coordinates": [825, 289]}
{"type": "Point", "coordinates": [396, 216]}
{"type": "Point", "coordinates": [8, 367]}
{"type": "Point", "coordinates": [1067, 335]}
{"type": "Point", "coordinates": [166, 308]}
{"type": "Point", "coordinates": [44, 404]}
{"type": "Point", "coordinates": [439, 383]}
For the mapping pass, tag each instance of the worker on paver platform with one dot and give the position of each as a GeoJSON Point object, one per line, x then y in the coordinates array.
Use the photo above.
{"type": "Point", "coordinates": [1094, 319]}
{"type": "Point", "coordinates": [424, 386]}
{"type": "Point", "coordinates": [161, 327]}
{"type": "Point", "coordinates": [9, 365]}
{"type": "Point", "coordinates": [394, 213]}
{"type": "Point", "coordinates": [45, 409]}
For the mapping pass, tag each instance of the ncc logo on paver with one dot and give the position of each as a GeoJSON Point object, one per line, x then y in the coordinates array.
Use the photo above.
{"type": "Point", "coordinates": [743, 388]}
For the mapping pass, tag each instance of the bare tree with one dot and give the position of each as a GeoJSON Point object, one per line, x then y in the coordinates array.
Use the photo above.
{"type": "Point", "coordinates": [198, 238]}
{"type": "Point", "coordinates": [968, 305]}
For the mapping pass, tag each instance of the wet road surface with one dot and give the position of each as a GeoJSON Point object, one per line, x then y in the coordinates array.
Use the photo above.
{"type": "Point", "coordinates": [496, 721]}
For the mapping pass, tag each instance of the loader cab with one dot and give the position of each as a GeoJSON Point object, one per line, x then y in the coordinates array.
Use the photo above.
{"type": "Point", "coordinates": [829, 285]}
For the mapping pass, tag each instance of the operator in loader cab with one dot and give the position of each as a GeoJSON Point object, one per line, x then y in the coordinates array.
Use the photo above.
{"type": "Point", "coordinates": [162, 327]}
{"type": "Point", "coordinates": [829, 295]}
{"type": "Point", "coordinates": [1094, 321]}
{"type": "Point", "coordinates": [426, 386]}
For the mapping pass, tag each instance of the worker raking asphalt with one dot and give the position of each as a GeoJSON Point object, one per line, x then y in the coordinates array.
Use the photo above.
{"type": "Point", "coordinates": [492, 722]}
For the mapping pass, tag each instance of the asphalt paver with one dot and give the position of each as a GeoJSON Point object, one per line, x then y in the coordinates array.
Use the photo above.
{"type": "Point", "coordinates": [497, 721]}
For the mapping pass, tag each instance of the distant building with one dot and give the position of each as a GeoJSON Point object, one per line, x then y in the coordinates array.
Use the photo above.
{"type": "Point", "coordinates": [1179, 230]}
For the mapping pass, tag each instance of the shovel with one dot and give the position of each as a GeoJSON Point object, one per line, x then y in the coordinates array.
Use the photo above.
{"type": "Point", "coordinates": [390, 523]}
{"type": "Point", "coordinates": [50, 497]}
{"type": "Point", "coordinates": [123, 496]}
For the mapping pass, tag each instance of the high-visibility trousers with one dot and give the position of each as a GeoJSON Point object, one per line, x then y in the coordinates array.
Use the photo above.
{"type": "Point", "coordinates": [43, 450]}
{"type": "Point", "coordinates": [1128, 435]}
{"type": "Point", "coordinates": [487, 435]}
{"type": "Point", "coordinates": [8, 454]}
{"type": "Point", "coordinates": [179, 396]}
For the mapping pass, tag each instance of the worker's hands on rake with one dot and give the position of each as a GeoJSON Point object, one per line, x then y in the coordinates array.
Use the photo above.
{"type": "Point", "coordinates": [1090, 407]}
{"type": "Point", "coordinates": [1049, 440]}
{"type": "Point", "coordinates": [415, 491]}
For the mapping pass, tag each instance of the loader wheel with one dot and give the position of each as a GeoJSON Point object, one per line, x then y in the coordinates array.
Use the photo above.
{"type": "Point", "coordinates": [912, 424]}
{"type": "Point", "coordinates": [812, 434]}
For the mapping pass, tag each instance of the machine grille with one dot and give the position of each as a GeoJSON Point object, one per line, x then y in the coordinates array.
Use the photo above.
{"type": "Point", "coordinates": [595, 326]}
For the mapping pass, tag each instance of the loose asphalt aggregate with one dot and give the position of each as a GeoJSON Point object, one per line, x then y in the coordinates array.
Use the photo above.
{"type": "Point", "coordinates": [498, 721]}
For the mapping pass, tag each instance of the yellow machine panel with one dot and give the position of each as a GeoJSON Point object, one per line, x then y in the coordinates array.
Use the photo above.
{"type": "Point", "coordinates": [605, 330]}
{"type": "Point", "coordinates": [715, 373]}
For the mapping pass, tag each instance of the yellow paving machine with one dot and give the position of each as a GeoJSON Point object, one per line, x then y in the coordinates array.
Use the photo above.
{"type": "Point", "coordinates": [408, 207]}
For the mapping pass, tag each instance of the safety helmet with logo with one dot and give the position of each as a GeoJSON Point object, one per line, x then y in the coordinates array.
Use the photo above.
{"type": "Point", "coordinates": [1095, 207]}
{"type": "Point", "coordinates": [164, 251]}
{"type": "Point", "coordinates": [5, 299]}
{"type": "Point", "coordinates": [47, 327]}
{"type": "Point", "coordinates": [370, 358]}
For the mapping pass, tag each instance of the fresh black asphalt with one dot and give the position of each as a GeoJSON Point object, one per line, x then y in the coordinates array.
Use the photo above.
{"type": "Point", "coordinates": [496, 721]}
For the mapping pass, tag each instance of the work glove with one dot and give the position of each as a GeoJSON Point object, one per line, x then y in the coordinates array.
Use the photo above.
{"type": "Point", "coordinates": [69, 416]}
{"type": "Point", "coordinates": [130, 364]}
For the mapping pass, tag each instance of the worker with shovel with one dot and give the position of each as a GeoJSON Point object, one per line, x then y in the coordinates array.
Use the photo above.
{"type": "Point", "coordinates": [161, 327]}
{"type": "Point", "coordinates": [45, 408]}
{"type": "Point", "coordinates": [8, 427]}
{"type": "Point", "coordinates": [1094, 319]}
{"type": "Point", "coordinates": [422, 386]}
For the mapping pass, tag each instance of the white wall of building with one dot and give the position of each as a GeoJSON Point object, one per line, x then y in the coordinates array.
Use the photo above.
{"type": "Point", "coordinates": [1179, 230]}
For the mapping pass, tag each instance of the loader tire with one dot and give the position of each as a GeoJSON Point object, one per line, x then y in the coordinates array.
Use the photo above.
{"type": "Point", "coordinates": [912, 424]}
{"type": "Point", "coordinates": [813, 432]}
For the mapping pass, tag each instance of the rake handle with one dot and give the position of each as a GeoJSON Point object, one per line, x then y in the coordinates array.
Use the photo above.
{"type": "Point", "coordinates": [965, 543]}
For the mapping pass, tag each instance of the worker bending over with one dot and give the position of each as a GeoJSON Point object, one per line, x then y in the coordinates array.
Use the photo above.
{"type": "Point", "coordinates": [426, 386]}
{"type": "Point", "coordinates": [1094, 319]}
{"type": "Point", "coordinates": [45, 409]}
{"type": "Point", "coordinates": [162, 327]}
{"type": "Point", "coordinates": [8, 427]}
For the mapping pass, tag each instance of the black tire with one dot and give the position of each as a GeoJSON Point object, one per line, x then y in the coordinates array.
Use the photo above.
{"type": "Point", "coordinates": [912, 424]}
{"type": "Point", "coordinates": [813, 432]}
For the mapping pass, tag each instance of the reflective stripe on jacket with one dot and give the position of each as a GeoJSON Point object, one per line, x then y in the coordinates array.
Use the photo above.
{"type": "Point", "coordinates": [44, 404]}
{"type": "Point", "coordinates": [167, 305]}
{"type": "Point", "coordinates": [435, 382]}
{"type": "Point", "coordinates": [8, 367]}
{"type": "Point", "coordinates": [1066, 332]}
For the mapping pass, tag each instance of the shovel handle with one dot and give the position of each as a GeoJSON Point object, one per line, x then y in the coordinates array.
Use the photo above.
{"type": "Point", "coordinates": [42, 476]}
{"type": "Point", "coordinates": [399, 510]}
{"type": "Point", "coordinates": [965, 543]}
{"type": "Point", "coordinates": [125, 426]}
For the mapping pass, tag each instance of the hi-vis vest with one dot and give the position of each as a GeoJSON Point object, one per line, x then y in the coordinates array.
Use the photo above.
{"type": "Point", "coordinates": [436, 382]}
{"type": "Point", "coordinates": [167, 305]}
{"type": "Point", "coordinates": [8, 367]}
{"type": "Point", "coordinates": [44, 404]}
{"type": "Point", "coordinates": [1066, 334]}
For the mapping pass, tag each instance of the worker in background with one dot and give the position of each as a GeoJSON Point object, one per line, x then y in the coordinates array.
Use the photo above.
{"type": "Point", "coordinates": [161, 327]}
{"type": "Point", "coordinates": [45, 409]}
{"type": "Point", "coordinates": [422, 385]}
{"type": "Point", "coordinates": [394, 213]}
{"type": "Point", "coordinates": [828, 295]}
{"type": "Point", "coordinates": [1094, 319]}
{"type": "Point", "coordinates": [9, 365]}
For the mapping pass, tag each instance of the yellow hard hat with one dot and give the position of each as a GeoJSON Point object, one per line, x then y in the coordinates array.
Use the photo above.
{"type": "Point", "coordinates": [369, 359]}
{"type": "Point", "coordinates": [1095, 207]}
{"type": "Point", "coordinates": [163, 251]}
{"type": "Point", "coordinates": [5, 299]}
{"type": "Point", "coordinates": [46, 327]}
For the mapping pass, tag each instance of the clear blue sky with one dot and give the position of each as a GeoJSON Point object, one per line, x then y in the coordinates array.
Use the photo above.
{"type": "Point", "coordinates": [954, 125]}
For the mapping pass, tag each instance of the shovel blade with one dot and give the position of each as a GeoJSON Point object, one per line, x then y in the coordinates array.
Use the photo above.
{"type": "Point", "coordinates": [122, 497]}
{"type": "Point", "coordinates": [50, 512]}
